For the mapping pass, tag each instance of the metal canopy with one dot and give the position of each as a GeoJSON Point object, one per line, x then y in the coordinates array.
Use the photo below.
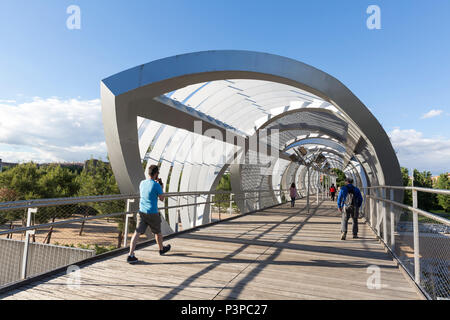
{"type": "Point", "coordinates": [239, 93]}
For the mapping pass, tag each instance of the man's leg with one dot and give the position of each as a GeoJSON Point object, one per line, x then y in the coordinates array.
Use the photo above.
{"type": "Point", "coordinates": [355, 222]}
{"type": "Point", "coordinates": [344, 223]}
{"type": "Point", "coordinates": [155, 226]}
{"type": "Point", "coordinates": [133, 242]}
{"type": "Point", "coordinates": [159, 240]}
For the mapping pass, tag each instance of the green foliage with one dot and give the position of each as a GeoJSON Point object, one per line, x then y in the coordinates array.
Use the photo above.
{"type": "Point", "coordinates": [28, 181]}
{"type": "Point", "coordinates": [96, 179]}
{"type": "Point", "coordinates": [340, 181]}
{"type": "Point", "coordinates": [407, 195]}
{"type": "Point", "coordinates": [23, 179]}
{"type": "Point", "coordinates": [223, 185]}
{"type": "Point", "coordinates": [426, 201]}
{"type": "Point", "coordinates": [98, 249]}
{"type": "Point", "coordinates": [7, 195]}
{"type": "Point", "coordinates": [443, 182]}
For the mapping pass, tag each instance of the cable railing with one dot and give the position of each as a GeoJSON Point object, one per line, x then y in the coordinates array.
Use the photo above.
{"type": "Point", "coordinates": [38, 236]}
{"type": "Point", "coordinates": [418, 239]}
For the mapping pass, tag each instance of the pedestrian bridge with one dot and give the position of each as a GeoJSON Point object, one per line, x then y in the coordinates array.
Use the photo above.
{"type": "Point", "coordinates": [256, 122]}
{"type": "Point", "coordinates": [276, 253]}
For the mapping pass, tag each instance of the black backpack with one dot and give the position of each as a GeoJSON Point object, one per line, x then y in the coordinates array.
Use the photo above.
{"type": "Point", "coordinates": [350, 202]}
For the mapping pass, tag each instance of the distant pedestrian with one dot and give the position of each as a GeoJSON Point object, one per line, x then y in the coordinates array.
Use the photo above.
{"type": "Point", "coordinates": [332, 192]}
{"type": "Point", "coordinates": [349, 201]}
{"type": "Point", "coordinates": [149, 216]}
{"type": "Point", "coordinates": [293, 193]}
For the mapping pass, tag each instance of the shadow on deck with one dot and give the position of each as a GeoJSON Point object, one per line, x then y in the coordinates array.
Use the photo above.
{"type": "Point", "coordinates": [277, 253]}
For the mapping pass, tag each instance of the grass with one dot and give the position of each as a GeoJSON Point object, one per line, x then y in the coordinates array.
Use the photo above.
{"type": "Point", "coordinates": [441, 213]}
{"type": "Point", "coordinates": [98, 249]}
{"type": "Point", "coordinates": [422, 219]}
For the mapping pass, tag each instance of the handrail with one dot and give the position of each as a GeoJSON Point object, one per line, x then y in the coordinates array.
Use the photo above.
{"type": "Point", "coordinates": [64, 201]}
{"type": "Point", "coordinates": [379, 212]}
{"type": "Point", "coordinates": [419, 211]}
{"type": "Point", "coordinates": [38, 203]}
{"type": "Point", "coordinates": [421, 189]}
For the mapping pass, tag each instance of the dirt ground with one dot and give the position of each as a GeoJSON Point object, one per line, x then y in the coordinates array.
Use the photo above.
{"type": "Point", "coordinates": [101, 232]}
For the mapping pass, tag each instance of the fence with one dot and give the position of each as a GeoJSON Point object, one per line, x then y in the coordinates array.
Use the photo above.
{"type": "Point", "coordinates": [418, 239]}
{"type": "Point", "coordinates": [79, 227]}
{"type": "Point", "coordinates": [40, 258]}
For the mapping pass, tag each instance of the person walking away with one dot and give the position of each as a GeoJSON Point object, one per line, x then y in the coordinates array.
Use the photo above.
{"type": "Point", "coordinates": [148, 215]}
{"type": "Point", "coordinates": [349, 201]}
{"type": "Point", "coordinates": [332, 192]}
{"type": "Point", "coordinates": [293, 194]}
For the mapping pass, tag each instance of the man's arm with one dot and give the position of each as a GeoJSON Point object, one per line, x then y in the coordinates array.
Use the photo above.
{"type": "Point", "coordinates": [360, 198]}
{"type": "Point", "coordinates": [341, 198]}
{"type": "Point", "coordinates": [160, 191]}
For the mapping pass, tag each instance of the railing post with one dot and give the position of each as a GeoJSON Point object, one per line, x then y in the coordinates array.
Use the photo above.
{"type": "Point", "coordinates": [392, 218]}
{"type": "Point", "coordinates": [194, 220]}
{"type": "Point", "coordinates": [23, 270]}
{"type": "Point", "coordinates": [372, 207]}
{"type": "Point", "coordinates": [318, 184]}
{"type": "Point", "coordinates": [307, 192]}
{"type": "Point", "coordinates": [383, 195]}
{"type": "Point", "coordinates": [127, 218]}
{"type": "Point", "coordinates": [210, 197]}
{"type": "Point", "coordinates": [231, 203]}
{"type": "Point", "coordinates": [416, 238]}
{"type": "Point", "coordinates": [376, 211]}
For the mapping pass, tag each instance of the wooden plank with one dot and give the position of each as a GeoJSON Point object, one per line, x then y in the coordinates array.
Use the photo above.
{"type": "Point", "coordinates": [280, 253]}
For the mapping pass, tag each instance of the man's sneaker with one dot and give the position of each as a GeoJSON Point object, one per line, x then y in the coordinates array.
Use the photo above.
{"type": "Point", "coordinates": [132, 259]}
{"type": "Point", "coordinates": [355, 236]}
{"type": "Point", "coordinates": [343, 236]}
{"type": "Point", "coordinates": [164, 250]}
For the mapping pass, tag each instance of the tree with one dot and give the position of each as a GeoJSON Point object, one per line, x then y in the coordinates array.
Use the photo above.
{"type": "Point", "coordinates": [28, 181]}
{"type": "Point", "coordinates": [443, 182]}
{"type": "Point", "coordinates": [426, 201]}
{"type": "Point", "coordinates": [23, 180]}
{"type": "Point", "coordinates": [340, 180]}
{"type": "Point", "coordinates": [407, 199]}
{"type": "Point", "coordinates": [223, 185]}
{"type": "Point", "coordinates": [98, 179]}
{"type": "Point", "coordinates": [56, 182]}
{"type": "Point", "coordinates": [8, 216]}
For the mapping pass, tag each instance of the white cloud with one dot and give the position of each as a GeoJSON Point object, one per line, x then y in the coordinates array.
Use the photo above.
{"type": "Point", "coordinates": [51, 129]}
{"type": "Point", "coordinates": [416, 151]}
{"type": "Point", "coordinates": [432, 113]}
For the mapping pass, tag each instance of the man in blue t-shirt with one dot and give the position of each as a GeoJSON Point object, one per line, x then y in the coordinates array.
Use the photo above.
{"type": "Point", "coordinates": [350, 200]}
{"type": "Point", "coordinates": [148, 216]}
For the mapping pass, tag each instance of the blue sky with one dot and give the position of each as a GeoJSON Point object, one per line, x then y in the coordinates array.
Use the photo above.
{"type": "Point", "coordinates": [400, 72]}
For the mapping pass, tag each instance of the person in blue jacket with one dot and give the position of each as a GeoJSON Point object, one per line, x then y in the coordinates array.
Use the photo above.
{"type": "Point", "coordinates": [349, 201]}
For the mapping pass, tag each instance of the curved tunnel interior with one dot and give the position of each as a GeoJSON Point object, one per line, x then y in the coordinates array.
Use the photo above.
{"type": "Point", "coordinates": [275, 116]}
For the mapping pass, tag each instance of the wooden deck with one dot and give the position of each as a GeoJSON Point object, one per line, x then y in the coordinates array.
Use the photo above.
{"type": "Point", "coordinates": [278, 253]}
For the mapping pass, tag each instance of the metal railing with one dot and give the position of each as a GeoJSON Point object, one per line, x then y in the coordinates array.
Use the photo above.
{"type": "Point", "coordinates": [102, 223]}
{"type": "Point", "coordinates": [418, 239]}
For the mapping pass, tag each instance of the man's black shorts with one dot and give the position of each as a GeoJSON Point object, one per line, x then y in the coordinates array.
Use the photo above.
{"type": "Point", "coordinates": [152, 220]}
